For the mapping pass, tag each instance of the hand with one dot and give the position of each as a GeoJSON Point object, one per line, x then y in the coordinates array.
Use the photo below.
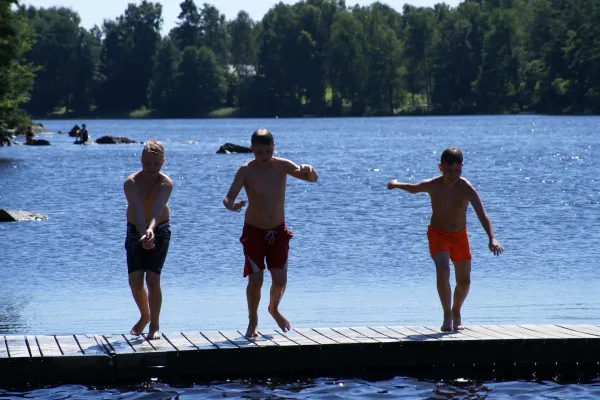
{"type": "Point", "coordinates": [237, 206]}
{"type": "Point", "coordinates": [392, 184]}
{"type": "Point", "coordinates": [495, 247]}
{"type": "Point", "coordinates": [148, 239]}
{"type": "Point", "coordinates": [308, 171]}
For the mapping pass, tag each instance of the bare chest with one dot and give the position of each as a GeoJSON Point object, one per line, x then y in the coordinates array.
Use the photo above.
{"type": "Point", "coordinates": [266, 182]}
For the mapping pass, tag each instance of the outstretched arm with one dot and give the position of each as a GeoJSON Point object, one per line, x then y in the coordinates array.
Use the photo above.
{"type": "Point", "coordinates": [420, 187]}
{"type": "Point", "coordinates": [162, 197]}
{"type": "Point", "coordinates": [304, 171]}
{"type": "Point", "coordinates": [134, 201]}
{"type": "Point", "coordinates": [234, 190]}
{"type": "Point", "coordinates": [485, 221]}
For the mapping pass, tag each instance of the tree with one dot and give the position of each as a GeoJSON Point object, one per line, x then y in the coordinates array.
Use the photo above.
{"type": "Point", "coordinates": [200, 84]}
{"type": "Point", "coordinates": [16, 74]}
{"type": "Point", "coordinates": [161, 92]}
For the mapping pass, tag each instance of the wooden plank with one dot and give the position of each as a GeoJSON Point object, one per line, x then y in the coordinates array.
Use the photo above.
{"type": "Point", "coordinates": [260, 341]}
{"type": "Point", "coordinates": [17, 347]}
{"type": "Point", "coordinates": [384, 330]}
{"type": "Point", "coordinates": [551, 329]}
{"type": "Point", "coordinates": [371, 334]}
{"type": "Point", "coordinates": [480, 335]}
{"type": "Point", "coordinates": [48, 346]}
{"type": "Point", "coordinates": [34, 348]}
{"type": "Point", "coordinates": [485, 331]}
{"type": "Point", "coordinates": [68, 345]}
{"type": "Point", "coordinates": [315, 336]}
{"type": "Point", "coordinates": [354, 335]}
{"type": "Point", "coordinates": [515, 331]}
{"type": "Point", "coordinates": [119, 344]}
{"type": "Point", "coordinates": [335, 336]}
{"type": "Point", "coordinates": [238, 339]}
{"type": "Point", "coordinates": [539, 335]}
{"type": "Point", "coordinates": [509, 332]}
{"type": "Point", "coordinates": [89, 345]}
{"type": "Point", "coordinates": [588, 329]}
{"type": "Point", "coordinates": [344, 335]}
{"type": "Point", "coordinates": [180, 342]}
{"type": "Point", "coordinates": [298, 338]}
{"type": "Point", "coordinates": [218, 340]}
{"type": "Point", "coordinates": [409, 332]}
{"type": "Point", "coordinates": [161, 345]}
{"type": "Point", "coordinates": [3, 349]}
{"type": "Point", "coordinates": [199, 341]}
{"type": "Point", "coordinates": [438, 334]}
{"type": "Point", "coordinates": [276, 338]}
{"type": "Point", "coordinates": [139, 344]}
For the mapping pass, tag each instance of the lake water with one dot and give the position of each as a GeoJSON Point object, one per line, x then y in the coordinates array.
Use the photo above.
{"type": "Point", "coordinates": [359, 255]}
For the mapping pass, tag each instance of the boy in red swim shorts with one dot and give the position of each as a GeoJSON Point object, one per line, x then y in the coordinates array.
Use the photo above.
{"type": "Point", "coordinates": [447, 232]}
{"type": "Point", "coordinates": [265, 235]}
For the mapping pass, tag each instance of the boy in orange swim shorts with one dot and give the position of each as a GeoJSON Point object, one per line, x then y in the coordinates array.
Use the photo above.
{"type": "Point", "coordinates": [447, 233]}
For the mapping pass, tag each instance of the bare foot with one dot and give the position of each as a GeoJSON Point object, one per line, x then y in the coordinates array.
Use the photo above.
{"type": "Point", "coordinates": [251, 332]}
{"type": "Point", "coordinates": [457, 323]}
{"type": "Point", "coordinates": [138, 328]}
{"type": "Point", "coordinates": [447, 324]}
{"type": "Point", "coordinates": [153, 333]}
{"type": "Point", "coordinates": [283, 323]}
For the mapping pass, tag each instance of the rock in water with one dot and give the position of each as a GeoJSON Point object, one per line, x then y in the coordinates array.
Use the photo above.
{"type": "Point", "coordinates": [108, 139]}
{"type": "Point", "coordinates": [228, 148]}
{"type": "Point", "coordinates": [18, 215]}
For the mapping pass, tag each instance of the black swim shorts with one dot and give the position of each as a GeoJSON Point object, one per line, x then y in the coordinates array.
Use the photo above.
{"type": "Point", "coordinates": [139, 258]}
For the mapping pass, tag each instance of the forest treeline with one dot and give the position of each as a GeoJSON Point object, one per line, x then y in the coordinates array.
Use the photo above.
{"type": "Point", "coordinates": [316, 57]}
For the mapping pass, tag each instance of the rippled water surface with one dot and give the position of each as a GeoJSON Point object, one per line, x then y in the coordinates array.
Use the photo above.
{"type": "Point", "coordinates": [359, 254]}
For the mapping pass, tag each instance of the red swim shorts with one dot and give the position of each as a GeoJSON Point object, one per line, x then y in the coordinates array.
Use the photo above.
{"type": "Point", "coordinates": [272, 244]}
{"type": "Point", "coordinates": [455, 243]}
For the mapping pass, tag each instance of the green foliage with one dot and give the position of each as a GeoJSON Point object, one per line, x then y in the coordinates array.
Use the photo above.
{"type": "Point", "coordinates": [314, 57]}
{"type": "Point", "coordinates": [16, 74]}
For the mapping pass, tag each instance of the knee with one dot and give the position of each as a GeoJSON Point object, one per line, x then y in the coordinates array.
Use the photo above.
{"type": "Point", "coordinates": [136, 285]}
{"type": "Point", "coordinates": [464, 283]}
{"type": "Point", "coordinates": [255, 281]}
{"type": "Point", "coordinates": [442, 272]}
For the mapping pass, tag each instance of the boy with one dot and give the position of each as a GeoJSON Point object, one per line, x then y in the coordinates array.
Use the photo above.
{"type": "Point", "coordinates": [265, 234]}
{"type": "Point", "coordinates": [447, 232]}
{"type": "Point", "coordinates": [148, 234]}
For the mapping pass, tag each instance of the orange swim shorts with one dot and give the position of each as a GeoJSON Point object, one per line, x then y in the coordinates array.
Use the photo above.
{"type": "Point", "coordinates": [455, 243]}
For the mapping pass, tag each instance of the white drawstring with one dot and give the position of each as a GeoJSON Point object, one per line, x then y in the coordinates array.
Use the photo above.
{"type": "Point", "coordinates": [270, 236]}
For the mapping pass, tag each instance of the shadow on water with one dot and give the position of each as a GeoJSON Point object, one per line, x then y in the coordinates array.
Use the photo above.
{"type": "Point", "coordinates": [539, 381]}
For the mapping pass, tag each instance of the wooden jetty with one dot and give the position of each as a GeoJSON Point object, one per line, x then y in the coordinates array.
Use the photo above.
{"type": "Point", "coordinates": [212, 354]}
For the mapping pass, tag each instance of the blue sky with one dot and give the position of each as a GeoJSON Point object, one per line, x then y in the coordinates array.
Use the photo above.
{"type": "Point", "coordinates": [93, 12]}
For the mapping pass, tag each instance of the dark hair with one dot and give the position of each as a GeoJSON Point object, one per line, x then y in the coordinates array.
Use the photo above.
{"type": "Point", "coordinates": [452, 155]}
{"type": "Point", "coordinates": [262, 136]}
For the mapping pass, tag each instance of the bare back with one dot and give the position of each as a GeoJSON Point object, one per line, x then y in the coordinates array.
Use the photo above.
{"type": "Point", "coordinates": [265, 188]}
{"type": "Point", "coordinates": [449, 204]}
{"type": "Point", "coordinates": [147, 193]}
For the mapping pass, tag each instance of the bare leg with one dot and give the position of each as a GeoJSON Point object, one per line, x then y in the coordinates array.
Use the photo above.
{"type": "Point", "coordinates": [155, 302]}
{"type": "Point", "coordinates": [279, 277]}
{"type": "Point", "coordinates": [255, 281]}
{"type": "Point", "coordinates": [462, 271]}
{"type": "Point", "coordinates": [442, 269]}
{"type": "Point", "coordinates": [136, 283]}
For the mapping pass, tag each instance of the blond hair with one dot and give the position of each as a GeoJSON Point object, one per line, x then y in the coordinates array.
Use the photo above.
{"type": "Point", "coordinates": [154, 146]}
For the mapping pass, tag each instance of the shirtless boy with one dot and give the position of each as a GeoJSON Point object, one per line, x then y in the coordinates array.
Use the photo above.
{"type": "Point", "coordinates": [447, 232]}
{"type": "Point", "coordinates": [265, 234]}
{"type": "Point", "coordinates": [148, 235]}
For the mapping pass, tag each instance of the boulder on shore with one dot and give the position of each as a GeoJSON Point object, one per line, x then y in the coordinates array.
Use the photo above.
{"type": "Point", "coordinates": [18, 215]}
{"type": "Point", "coordinates": [229, 148]}
{"type": "Point", "coordinates": [108, 139]}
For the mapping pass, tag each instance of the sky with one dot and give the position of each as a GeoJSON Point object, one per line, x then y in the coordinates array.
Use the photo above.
{"type": "Point", "coordinates": [94, 12]}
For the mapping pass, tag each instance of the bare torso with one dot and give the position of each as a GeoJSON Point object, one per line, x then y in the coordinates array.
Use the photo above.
{"type": "Point", "coordinates": [449, 205]}
{"type": "Point", "coordinates": [265, 188]}
{"type": "Point", "coordinates": [147, 192]}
